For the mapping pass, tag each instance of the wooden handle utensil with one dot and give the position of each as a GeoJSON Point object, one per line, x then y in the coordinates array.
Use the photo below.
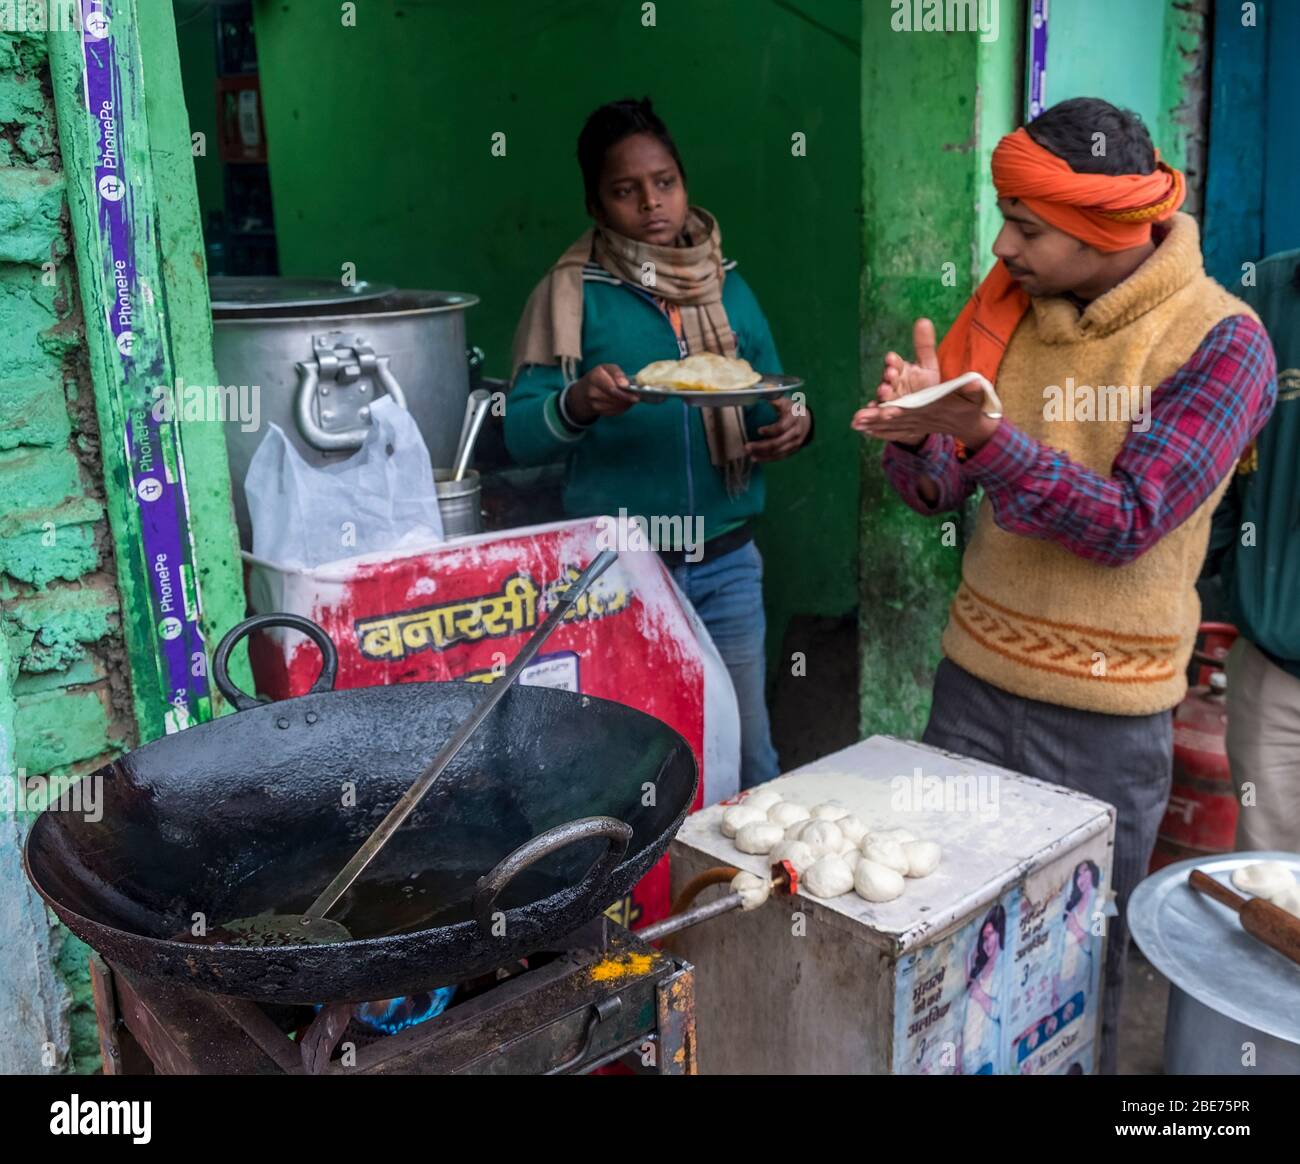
{"type": "Point", "coordinates": [1261, 919]}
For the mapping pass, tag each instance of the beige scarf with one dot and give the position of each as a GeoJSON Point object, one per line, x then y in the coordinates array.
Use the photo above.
{"type": "Point", "coordinates": [690, 275]}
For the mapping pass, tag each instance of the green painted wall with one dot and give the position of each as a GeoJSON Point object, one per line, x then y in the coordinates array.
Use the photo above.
{"type": "Point", "coordinates": [64, 688]}
{"type": "Point", "coordinates": [379, 138]}
{"type": "Point", "coordinates": [1127, 72]}
{"type": "Point", "coordinates": [1144, 55]}
{"type": "Point", "coordinates": [933, 106]}
{"type": "Point", "coordinates": [197, 46]}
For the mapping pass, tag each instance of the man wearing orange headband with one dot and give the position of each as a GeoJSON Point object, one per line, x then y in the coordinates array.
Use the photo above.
{"type": "Point", "coordinates": [1130, 383]}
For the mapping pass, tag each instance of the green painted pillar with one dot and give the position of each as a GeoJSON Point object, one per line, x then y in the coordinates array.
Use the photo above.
{"type": "Point", "coordinates": [933, 107]}
{"type": "Point", "coordinates": [146, 128]}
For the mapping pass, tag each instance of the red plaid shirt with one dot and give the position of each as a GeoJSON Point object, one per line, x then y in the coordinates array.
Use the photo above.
{"type": "Point", "coordinates": [1202, 418]}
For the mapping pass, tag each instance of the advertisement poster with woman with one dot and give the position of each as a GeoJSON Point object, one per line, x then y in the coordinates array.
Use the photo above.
{"type": "Point", "coordinates": [1016, 989]}
{"type": "Point", "coordinates": [952, 998]}
{"type": "Point", "coordinates": [1058, 985]}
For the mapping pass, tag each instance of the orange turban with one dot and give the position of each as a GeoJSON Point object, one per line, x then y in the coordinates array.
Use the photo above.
{"type": "Point", "coordinates": [1111, 212]}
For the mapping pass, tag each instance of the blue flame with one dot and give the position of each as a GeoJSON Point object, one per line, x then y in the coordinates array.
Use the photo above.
{"type": "Point", "coordinates": [390, 1015]}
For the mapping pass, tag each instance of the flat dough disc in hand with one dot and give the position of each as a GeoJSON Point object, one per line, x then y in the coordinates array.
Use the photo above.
{"type": "Point", "coordinates": [992, 406]}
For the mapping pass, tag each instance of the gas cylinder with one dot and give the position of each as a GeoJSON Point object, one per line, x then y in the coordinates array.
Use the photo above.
{"type": "Point", "coordinates": [1201, 817]}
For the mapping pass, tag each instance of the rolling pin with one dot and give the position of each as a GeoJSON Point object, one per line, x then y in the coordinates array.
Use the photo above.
{"type": "Point", "coordinates": [1261, 919]}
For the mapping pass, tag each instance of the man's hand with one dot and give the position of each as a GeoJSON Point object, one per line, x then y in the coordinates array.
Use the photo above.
{"type": "Point", "coordinates": [899, 377]}
{"type": "Point", "coordinates": [958, 414]}
{"type": "Point", "coordinates": [601, 392]}
{"type": "Point", "coordinates": [785, 435]}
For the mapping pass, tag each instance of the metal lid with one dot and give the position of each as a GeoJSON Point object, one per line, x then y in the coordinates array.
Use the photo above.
{"type": "Point", "coordinates": [256, 293]}
{"type": "Point", "coordinates": [1200, 946]}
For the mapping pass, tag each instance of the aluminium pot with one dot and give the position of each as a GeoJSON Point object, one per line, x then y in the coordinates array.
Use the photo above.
{"type": "Point", "coordinates": [459, 502]}
{"type": "Point", "coordinates": [1232, 1000]}
{"type": "Point", "coordinates": [319, 353]}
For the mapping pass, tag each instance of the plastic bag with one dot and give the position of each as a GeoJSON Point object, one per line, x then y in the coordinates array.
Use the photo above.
{"type": "Point", "coordinates": [380, 498]}
{"type": "Point", "coordinates": [721, 774]}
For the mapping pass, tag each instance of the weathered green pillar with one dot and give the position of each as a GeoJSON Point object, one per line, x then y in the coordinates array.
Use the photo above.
{"type": "Point", "coordinates": [135, 124]}
{"type": "Point", "coordinates": [933, 107]}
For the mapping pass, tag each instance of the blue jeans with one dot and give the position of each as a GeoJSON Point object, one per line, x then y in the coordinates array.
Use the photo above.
{"type": "Point", "coordinates": [727, 594]}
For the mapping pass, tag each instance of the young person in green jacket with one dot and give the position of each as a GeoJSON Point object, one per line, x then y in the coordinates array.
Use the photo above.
{"type": "Point", "coordinates": [649, 282]}
{"type": "Point", "coordinates": [1257, 541]}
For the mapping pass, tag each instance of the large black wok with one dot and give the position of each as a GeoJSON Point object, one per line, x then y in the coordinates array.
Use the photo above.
{"type": "Point", "coordinates": [258, 810]}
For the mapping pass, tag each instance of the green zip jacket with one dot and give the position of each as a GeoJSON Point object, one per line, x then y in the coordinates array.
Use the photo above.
{"type": "Point", "coordinates": [651, 460]}
{"type": "Point", "coordinates": [1263, 580]}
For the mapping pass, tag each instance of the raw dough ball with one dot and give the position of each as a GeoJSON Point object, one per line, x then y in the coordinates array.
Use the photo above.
{"type": "Point", "coordinates": [829, 810]}
{"type": "Point", "coordinates": [762, 798]}
{"type": "Point", "coordinates": [739, 815]}
{"type": "Point", "coordinates": [922, 858]}
{"type": "Point", "coordinates": [902, 836]}
{"type": "Point", "coordinates": [796, 852]}
{"type": "Point", "coordinates": [1287, 899]}
{"type": "Point", "coordinates": [1264, 878]}
{"type": "Point", "coordinates": [752, 888]}
{"type": "Point", "coordinates": [829, 877]}
{"type": "Point", "coordinates": [876, 882]}
{"type": "Point", "coordinates": [786, 813]}
{"type": "Point", "coordinates": [758, 837]}
{"type": "Point", "coordinates": [822, 837]}
{"type": "Point", "coordinates": [852, 828]}
{"type": "Point", "coordinates": [886, 851]}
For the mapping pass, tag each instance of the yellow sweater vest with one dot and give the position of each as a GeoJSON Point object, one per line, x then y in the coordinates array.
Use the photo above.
{"type": "Point", "coordinates": [1029, 616]}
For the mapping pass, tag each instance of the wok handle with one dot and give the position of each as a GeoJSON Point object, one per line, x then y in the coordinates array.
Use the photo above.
{"type": "Point", "coordinates": [490, 885]}
{"type": "Point", "coordinates": [220, 661]}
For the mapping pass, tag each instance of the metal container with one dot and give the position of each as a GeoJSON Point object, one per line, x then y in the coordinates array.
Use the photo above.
{"type": "Point", "coordinates": [840, 986]}
{"type": "Point", "coordinates": [459, 503]}
{"type": "Point", "coordinates": [319, 354]}
{"type": "Point", "coordinates": [1232, 999]}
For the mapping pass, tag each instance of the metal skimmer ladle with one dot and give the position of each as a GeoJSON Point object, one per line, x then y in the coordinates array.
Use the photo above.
{"type": "Point", "coordinates": [476, 410]}
{"type": "Point", "coordinates": [312, 927]}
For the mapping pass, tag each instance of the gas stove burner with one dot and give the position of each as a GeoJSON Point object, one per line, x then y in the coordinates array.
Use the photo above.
{"type": "Point", "coordinates": [601, 996]}
{"type": "Point", "coordinates": [388, 1016]}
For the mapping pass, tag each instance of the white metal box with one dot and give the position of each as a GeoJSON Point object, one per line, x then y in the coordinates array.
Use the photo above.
{"type": "Point", "coordinates": [803, 985]}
